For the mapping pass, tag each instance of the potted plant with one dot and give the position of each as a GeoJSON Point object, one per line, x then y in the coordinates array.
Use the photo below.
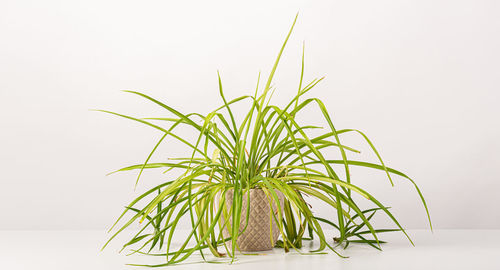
{"type": "Point", "coordinates": [243, 185]}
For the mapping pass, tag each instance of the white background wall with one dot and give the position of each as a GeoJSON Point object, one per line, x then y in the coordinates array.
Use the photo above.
{"type": "Point", "coordinates": [421, 78]}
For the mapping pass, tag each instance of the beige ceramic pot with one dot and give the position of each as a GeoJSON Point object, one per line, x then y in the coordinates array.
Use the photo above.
{"type": "Point", "coordinates": [257, 236]}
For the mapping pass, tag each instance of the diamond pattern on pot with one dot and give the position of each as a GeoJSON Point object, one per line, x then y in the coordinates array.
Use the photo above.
{"type": "Point", "coordinates": [257, 236]}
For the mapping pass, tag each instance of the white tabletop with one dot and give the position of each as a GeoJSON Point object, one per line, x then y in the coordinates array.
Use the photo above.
{"type": "Point", "coordinates": [443, 249]}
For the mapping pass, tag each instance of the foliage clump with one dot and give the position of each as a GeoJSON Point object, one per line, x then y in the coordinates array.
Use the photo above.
{"type": "Point", "coordinates": [269, 150]}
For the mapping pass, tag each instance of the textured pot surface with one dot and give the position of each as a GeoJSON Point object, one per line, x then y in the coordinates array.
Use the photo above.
{"type": "Point", "coordinates": [257, 236]}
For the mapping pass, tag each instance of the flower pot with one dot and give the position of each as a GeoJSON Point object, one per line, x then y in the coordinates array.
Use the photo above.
{"type": "Point", "coordinates": [259, 235]}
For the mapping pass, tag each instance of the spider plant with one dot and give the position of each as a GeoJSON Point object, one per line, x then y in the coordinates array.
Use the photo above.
{"type": "Point", "coordinates": [269, 150]}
